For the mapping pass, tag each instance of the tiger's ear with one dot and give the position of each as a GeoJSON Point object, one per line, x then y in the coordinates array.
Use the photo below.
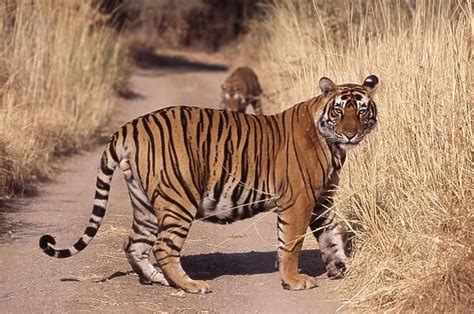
{"type": "Point", "coordinates": [370, 83]}
{"type": "Point", "coordinates": [326, 85]}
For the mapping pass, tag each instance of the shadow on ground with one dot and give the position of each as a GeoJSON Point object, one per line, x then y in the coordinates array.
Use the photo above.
{"type": "Point", "coordinates": [214, 265]}
{"type": "Point", "coordinates": [151, 60]}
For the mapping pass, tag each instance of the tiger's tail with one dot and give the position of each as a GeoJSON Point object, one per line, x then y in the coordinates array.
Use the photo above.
{"type": "Point", "coordinates": [108, 163]}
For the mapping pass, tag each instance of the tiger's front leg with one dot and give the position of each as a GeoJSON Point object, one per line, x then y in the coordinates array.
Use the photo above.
{"type": "Point", "coordinates": [326, 231]}
{"type": "Point", "coordinates": [293, 222]}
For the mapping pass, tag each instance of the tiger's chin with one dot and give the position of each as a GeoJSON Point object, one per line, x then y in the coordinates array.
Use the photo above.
{"type": "Point", "coordinates": [348, 145]}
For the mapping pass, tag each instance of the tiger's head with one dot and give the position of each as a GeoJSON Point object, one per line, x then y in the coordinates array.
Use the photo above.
{"type": "Point", "coordinates": [233, 99]}
{"type": "Point", "coordinates": [349, 113]}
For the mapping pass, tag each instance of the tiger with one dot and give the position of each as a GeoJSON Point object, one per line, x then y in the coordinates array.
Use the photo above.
{"type": "Point", "coordinates": [240, 90]}
{"type": "Point", "coordinates": [183, 164]}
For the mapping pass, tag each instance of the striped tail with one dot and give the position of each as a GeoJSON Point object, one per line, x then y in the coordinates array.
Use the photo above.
{"type": "Point", "coordinates": [109, 162]}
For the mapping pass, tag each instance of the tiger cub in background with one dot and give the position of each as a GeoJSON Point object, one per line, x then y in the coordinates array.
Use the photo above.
{"type": "Point", "coordinates": [185, 163]}
{"type": "Point", "coordinates": [240, 90]}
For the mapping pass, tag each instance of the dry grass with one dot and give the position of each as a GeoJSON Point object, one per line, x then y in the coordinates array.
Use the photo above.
{"type": "Point", "coordinates": [406, 193]}
{"type": "Point", "coordinates": [58, 66]}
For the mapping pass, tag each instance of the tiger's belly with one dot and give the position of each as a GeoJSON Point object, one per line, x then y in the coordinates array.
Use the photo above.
{"type": "Point", "coordinates": [225, 210]}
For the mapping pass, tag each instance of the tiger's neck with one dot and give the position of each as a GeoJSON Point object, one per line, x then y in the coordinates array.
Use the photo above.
{"type": "Point", "coordinates": [306, 151]}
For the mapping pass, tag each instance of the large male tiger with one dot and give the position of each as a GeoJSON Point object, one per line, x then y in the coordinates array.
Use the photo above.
{"type": "Point", "coordinates": [184, 163]}
{"type": "Point", "coordinates": [240, 90]}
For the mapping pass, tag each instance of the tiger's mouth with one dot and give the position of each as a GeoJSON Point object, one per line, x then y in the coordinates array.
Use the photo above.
{"type": "Point", "coordinates": [339, 139]}
{"type": "Point", "coordinates": [345, 143]}
{"type": "Point", "coordinates": [354, 141]}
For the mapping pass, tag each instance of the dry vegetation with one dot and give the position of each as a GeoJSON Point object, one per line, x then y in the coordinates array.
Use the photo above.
{"type": "Point", "coordinates": [58, 66]}
{"type": "Point", "coordinates": [406, 194]}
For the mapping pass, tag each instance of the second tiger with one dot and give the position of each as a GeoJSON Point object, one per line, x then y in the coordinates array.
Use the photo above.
{"type": "Point", "coordinates": [240, 90]}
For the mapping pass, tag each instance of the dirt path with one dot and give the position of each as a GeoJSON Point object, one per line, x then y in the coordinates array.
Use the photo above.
{"type": "Point", "coordinates": [237, 259]}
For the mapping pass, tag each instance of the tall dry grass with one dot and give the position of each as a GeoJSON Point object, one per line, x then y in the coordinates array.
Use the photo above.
{"type": "Point", "coordinates": [58, 64]}
{"type": "Point", "coordinates": [406, 193]}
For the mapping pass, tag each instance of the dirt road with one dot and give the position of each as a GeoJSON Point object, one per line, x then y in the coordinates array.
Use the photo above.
{"type": "Point", "coordinates": [237, 259]}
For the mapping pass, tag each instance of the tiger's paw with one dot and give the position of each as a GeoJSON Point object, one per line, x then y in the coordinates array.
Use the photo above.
{"type": "Point", "coordinates": [336, 269]}
{"type": "Point", "coordinates": [196, 286]}
{"type": "Point", "coordinates": [299, 282]}
{"type": "Point", "coordinates": [156, 277]}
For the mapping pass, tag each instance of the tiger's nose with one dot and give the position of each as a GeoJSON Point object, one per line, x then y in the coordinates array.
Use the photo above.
{"type": "Point", "coordinates": [350, 135]}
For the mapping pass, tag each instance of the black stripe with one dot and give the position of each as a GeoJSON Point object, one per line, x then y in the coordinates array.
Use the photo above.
{"type": "Point", "coordinates": [98, 211]}
{"type": "Point", "coordinates": [149, 159]}
{"type": "Point", "coordinates": [189, 149]}
{"type": "Point", "coordinates": [200, 127]}
{"type": "Point", "coordinates": [49, 251]}
{"type": "Point", "coordinates": [176, 216]}
{"type": "Point", "coordinates": [220, 125]}
{"type": "Point", "coordinates": [99, 196]}
{"type": "Point", "coordinates": [91, 231]}
{"type": "Point", "coordinates": [163, 147]}
{"type": "Point", "coordinates": [319, 226]}
{"type": "Point", "coordinates": [64, 253]}
{"type": "Point", "coordinates": [103, 166]}
{"type": "Point", "coordinates": [143, 203]}
{"type": "Point", "coordinates": [171, 244]}
{"type": "Point", "coordinates": [174, 225]}
{"type": "Point", "coordinates": [135, 135]}
{"type": "Point", "coordinates": [176, 204]}
{"type": "Point", "coordinates": [151, 141]}
{"type": "Point", "coordinates": [238, 126]}
{"type": "Point", "coordinates": [137, 230]}
{"type": "Point", "coordinates": [281, 221]}
{"type": "Point", "coordinates": [224, 178]}
{"type": "Point", "coordinates": [112, 151]}
{"type": "Point", "coordinates": [178, 233]}
{"type": "Point", "coordinates": [143, 240]}
{"type": "Point", "coordinates": [208, 140]}
{"type": "Point", "coordinates": [283, 248]}
{"type": "Point", "coordinates": [102, 185]}
{"type": "Point", "coordinates": [124, 134]}
{"type": "Point", "coordinates": [80, 245]}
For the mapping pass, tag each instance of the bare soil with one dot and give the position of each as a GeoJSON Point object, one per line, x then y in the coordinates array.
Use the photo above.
{"type": "Point", "coordinates": [237, 259]}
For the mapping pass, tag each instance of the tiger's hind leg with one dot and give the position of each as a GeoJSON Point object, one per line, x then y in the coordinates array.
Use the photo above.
{"type": "Point", "coordinates": [143, 235]}
{"type": "Point", "coordinates": [326, 231]}
{"type": "Point", "coordinates": [138, 246]}
{"type": "Point", "coordinates": [175, 223]}
{"type": "Point", "coordinates": [138, 252]}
